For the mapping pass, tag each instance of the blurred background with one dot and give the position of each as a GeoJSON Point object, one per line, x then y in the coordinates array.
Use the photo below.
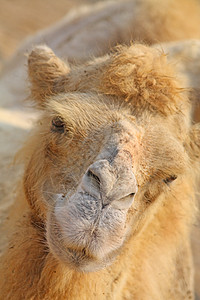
{"type": "Point", "coordinates": [20, 18]}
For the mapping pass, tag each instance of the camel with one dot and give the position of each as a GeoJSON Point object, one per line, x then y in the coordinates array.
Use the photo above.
{"type": "Point", "coordinates": [123, 16]}
{"type": "Point", "coordinates": [109, 184]}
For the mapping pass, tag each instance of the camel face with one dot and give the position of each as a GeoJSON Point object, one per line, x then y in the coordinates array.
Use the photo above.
{"type": "Point", "coordinates": [91, 217]}
{"type": "Point", "coordinates": [101, 170]}
{"type": "Point", "coordinates": [113, 145]}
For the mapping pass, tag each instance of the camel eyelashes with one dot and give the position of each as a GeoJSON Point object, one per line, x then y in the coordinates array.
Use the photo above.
{"type": "Point", "coordinates": [58, 125]}
{"type": "Point", "coordinates": [170, 179]}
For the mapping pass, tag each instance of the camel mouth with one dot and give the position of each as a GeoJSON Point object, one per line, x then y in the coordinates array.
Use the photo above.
{"type": "Point", "coordinates": [80, 259]}
{"type": "Point", "coordinates": [83, 234]}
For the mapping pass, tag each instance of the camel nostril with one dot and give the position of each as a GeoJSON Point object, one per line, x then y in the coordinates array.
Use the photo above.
{"type": "Point", "coordinates": [132, 194]}
{"type": "Point", "coordinates": [94, 177]}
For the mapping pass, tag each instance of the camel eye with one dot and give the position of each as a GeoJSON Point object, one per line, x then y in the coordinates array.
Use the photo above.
{"type": "Point", "coordinates": [170, 179]}
{"type": "Point", "coordinates": [58, 125]}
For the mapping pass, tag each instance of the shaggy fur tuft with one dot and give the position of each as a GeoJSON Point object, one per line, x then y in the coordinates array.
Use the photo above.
{"type": "Point", "coordinates": [143, 77]}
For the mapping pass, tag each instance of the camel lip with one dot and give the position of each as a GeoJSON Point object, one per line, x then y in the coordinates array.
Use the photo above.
{"type": "Point", "coordinates": [80, 259]}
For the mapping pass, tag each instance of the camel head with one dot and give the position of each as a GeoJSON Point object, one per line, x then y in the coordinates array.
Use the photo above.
{"type": "Point", "coordinates": [113, 143]}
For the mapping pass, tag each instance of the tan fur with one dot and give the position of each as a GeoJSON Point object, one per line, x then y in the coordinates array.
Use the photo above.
{"type": "Point", "coordinates": [95, 100]}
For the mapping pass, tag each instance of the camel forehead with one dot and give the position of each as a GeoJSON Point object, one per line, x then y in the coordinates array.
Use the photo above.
{"type": "Point", "coordinates": [112, 129]}
{"type": "Point", "coordinates": [86, 110]}
{"type": "Point", "coordinates": [92, 111]}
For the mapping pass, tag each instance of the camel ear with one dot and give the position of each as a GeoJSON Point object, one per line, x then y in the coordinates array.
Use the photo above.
{"type": "Point", "coordinates": [44, 69]}
{"type": "Point", "coordinates": [194, 142]}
